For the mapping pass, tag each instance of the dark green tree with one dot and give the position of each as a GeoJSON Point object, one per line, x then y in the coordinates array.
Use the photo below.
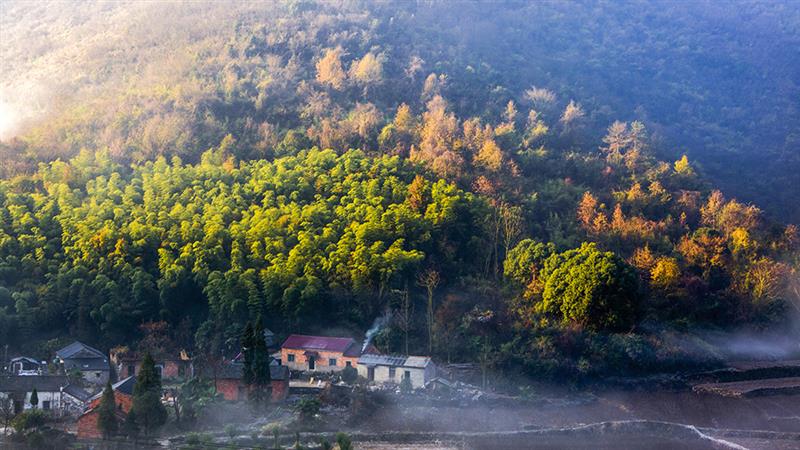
{"type": "Point", "coordinates": [107, 413]}
{"type": "Point", "coordinates": [130, 427]}
{"type": "Point", "coordinates": [34, 399]}
{"type": "Point", "coordinates": [150, 412]}
{"type": "Point", "coordinates": [248, 347]}
{"type": "Point", "coordinates": [344, 442]}
{"type": "Point", "coordinates": [257, 361]}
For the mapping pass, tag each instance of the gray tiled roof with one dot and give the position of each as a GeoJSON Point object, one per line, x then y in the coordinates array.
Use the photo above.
{"type": "Point", "coordinates": [42, 383]}
{"type": "Point", "coordinates": [27, 359]}
{"type": "Point", "coordinates": [124, 386]}
{"type": "Point", "coordinates": [79, 350]}
{"type": "Point", "coordinates": [78, 392]}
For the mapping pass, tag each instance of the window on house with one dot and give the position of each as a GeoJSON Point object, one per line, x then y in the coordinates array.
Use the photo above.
{"type": "Point", "coordinates": [97, 374]}
{"type": "Point", "coordinates": [331, 361]}
{"type": "Point", "coordinates": [131, 370]}
{"type": "Point", "coordinates": [290, 358]}
{"type": "Point", "coordinates": [392, 371]}
{"type": "Point", "coordinates": [45, 405]}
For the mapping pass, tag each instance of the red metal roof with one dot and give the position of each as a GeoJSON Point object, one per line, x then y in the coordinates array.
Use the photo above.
{"type": "Point", "coordinates": [324, 343]}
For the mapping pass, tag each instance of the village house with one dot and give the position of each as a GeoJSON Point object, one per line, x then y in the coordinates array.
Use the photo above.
{"type": "Point", "coordinates": [393, 369]}
{"type": "Point", "coordinates": [51, 391]}
{"type": "Point", "coordinates": [320, 353]}
{"type": "Point", "coordinates": [23, 365]}
{"type": "Point", "coordinates": [90, 362]}
{"type": "Point", "coordinates": [228, 381]}
{"type": "Point", "coordinates": [168, 366]}
{"type": "Point", "coordinates": [123, 396]}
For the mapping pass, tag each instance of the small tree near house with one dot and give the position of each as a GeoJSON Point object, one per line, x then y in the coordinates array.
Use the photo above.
{"type": "Point", "coordinates": [107, 413]}
{"type": "Point", "coordinates": [34, 399]}
{"type": "Point", "coordinates": [150, 413]}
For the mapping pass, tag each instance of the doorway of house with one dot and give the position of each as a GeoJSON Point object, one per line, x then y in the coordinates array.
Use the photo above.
{"type": "Point", "coordinates": [371, 373]}
{"type": "Point", "coordinates": [311, 365]}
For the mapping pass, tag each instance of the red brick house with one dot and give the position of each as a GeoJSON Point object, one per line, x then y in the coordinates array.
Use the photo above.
{"type": "Point", "coordinates": [320, 353]}
{"type": "Point", "coordinates": [228, 382]}
{"type": "Point", "coordinates": [123, 395]}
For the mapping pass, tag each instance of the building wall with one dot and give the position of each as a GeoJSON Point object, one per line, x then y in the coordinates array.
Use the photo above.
{"type": "Point", "coordinates": [87, 423]}
{"type": "Point", "coordinates": [419, 376]}
{"type": "Point", "coordinates": [321, 361]}
{"type": "Point", "coordinates": [229, 388]}
{"type": "Point", "coordinates": [234, 390]}
{"type": "Point", "coordinates": [55, 399]}
{"type": "Point", "coordinates": [98, 377]}
{"type": "Point", "coordinates": [169, 369]}
{"type": "Point", "coordinates": [280, 390]}
{"type": "Point", "coordinates": [87, 426]}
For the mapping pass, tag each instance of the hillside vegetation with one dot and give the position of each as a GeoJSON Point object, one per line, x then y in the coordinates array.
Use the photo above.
{"type": "Point", "coordinates": [525, 192]}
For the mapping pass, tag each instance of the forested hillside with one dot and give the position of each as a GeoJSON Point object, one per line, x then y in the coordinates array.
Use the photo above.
{"type": "Point", "coordinates": [523, 181]}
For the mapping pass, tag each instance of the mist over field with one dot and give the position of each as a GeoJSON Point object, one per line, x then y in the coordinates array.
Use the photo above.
{"type": "Point", "coordinates": [558, 203]}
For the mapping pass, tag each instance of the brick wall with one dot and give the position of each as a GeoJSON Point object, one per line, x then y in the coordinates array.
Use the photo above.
{"type": "Point", "coordinates": [321, 361]}
{"type": "Point", "coordinates": [234, 390]}
{"type": "Point", "coordinates": [169, 369]}
{"type": "Point", "coordinates": [87, 423]}
{"type": "Point", "coordinates": [87, 426]}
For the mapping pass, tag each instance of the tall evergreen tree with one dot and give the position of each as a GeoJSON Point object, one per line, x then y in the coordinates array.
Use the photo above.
{"type": "Point", "coordinates": [130, 427]}
{"type": "Point", "coordinates": [262, 379]}
{"type": "Point", "coordinates": [150, 412]}
{"type": "Point", "coordinates": [107, 413]}
{"type": "Point", "coordinates": [248, 346]}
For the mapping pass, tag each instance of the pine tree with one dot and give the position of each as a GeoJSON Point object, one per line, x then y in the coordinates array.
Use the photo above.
{"type": "Point", "coordinates": [248, 345]}
{"type": "Point", "coordinates": [150, 412]}
{"type": "Point", "coordinates": [262, 379]}
{"type": "Point", "coordinates": [130, 427]}
{"type": "Point", "coordinates": [107, 417]}
{"type": "Point", "coordinates": [34, 399]}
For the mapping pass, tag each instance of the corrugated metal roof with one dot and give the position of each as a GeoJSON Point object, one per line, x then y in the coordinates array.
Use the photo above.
{"type": "Point", "coordinates": [324, 343]}
{"type": "Point", "coordinates": [417, 361]}
{"type": "Point", "coordinates": [396, 361]}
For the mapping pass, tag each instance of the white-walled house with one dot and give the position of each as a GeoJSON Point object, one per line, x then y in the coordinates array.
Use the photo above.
{"type": "Point", "coordinates": [392, 369]}
{"type": "Point", "coordinates": [52, 391]}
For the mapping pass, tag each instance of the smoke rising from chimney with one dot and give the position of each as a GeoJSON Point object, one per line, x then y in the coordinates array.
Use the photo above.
{"type": "Point", "coordinates": [377, 325]}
